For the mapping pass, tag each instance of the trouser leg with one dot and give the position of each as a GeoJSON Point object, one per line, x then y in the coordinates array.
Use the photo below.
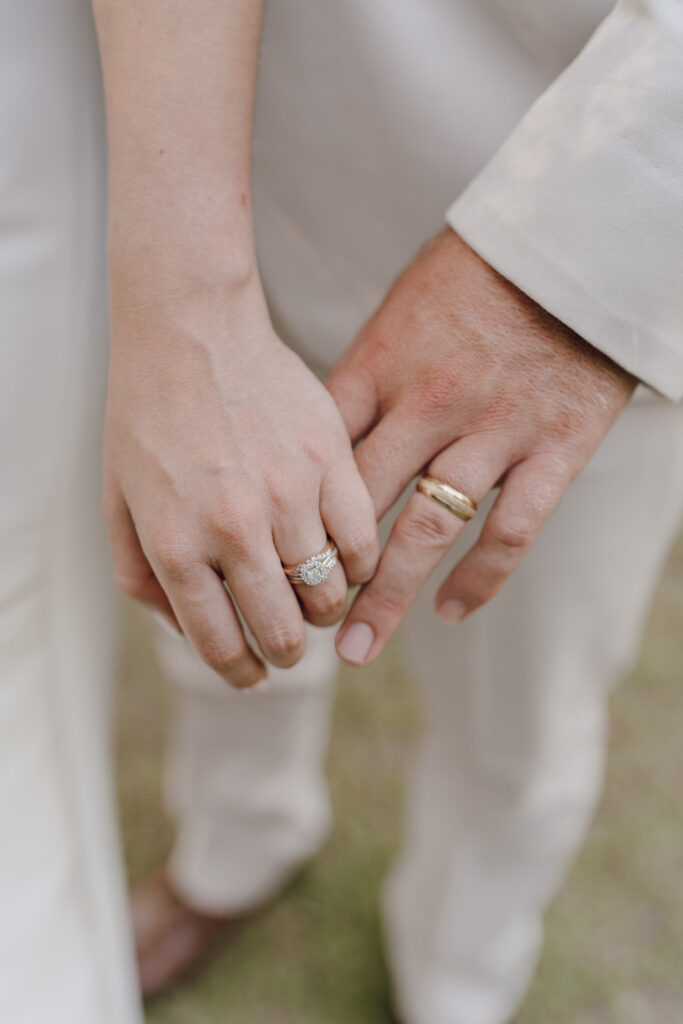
{"type": "Point", "coordinates": [511, 762]}
{"type": "Point", "coordinates": [64, 948]}
{"type": "Point", "coordinates": [245, 775]}
{"type": "Point", "coordinates": [245, 772]}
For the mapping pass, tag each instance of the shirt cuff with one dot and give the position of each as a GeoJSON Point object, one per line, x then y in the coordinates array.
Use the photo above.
{"type": "Point", "coordinates": [582, 207]}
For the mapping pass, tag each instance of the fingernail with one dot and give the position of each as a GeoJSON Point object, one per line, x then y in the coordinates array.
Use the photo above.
{"type": "Point", "coordinates": [355, 643]}
{"type": "Point", "coordinates": [452, 611]}
{"type": "Point", "coordinates": [166, 624]}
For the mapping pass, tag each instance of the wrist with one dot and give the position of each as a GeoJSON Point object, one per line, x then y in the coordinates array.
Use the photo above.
{"type": "Point", "coordinates": [217, 307]}
{"type": "Point", "coordinates": [163, 269]}
{"type": "Point", "coordinates": [178, 216]}
{"type": "Point", "coordinates": [178, 253]}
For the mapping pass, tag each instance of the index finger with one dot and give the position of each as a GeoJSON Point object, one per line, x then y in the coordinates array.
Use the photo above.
{"type": "Point", "coordinates": [391, 455]}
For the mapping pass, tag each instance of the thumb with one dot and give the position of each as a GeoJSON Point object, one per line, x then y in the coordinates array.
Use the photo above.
{"type": "Point", "coordinates": [353, 388]}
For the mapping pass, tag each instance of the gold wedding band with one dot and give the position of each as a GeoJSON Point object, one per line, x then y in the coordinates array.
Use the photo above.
{"type": "Point", "coordinates": [455, 501]}
{"type": "Point", "coordinates": [314, 570]}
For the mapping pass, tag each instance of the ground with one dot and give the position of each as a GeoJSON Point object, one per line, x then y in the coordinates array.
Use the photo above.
{"type": "Point", "coordinates": [614, 945]}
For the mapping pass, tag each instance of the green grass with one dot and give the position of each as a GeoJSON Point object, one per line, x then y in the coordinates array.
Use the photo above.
{"type": "Point", "coordinates": [614, 949]}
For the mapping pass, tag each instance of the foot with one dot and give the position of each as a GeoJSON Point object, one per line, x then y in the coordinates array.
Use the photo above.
{"type": "Point", "coordinates": [172, 939]}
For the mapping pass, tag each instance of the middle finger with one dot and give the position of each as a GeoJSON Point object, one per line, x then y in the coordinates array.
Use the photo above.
{"type": "Point", "coordinates": [262, 593]}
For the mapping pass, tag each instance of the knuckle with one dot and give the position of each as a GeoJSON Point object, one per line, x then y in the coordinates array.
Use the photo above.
{"type": "Point", "coordinates": [283, 645]}
{"type": "Point", "coordinates": [322, 619]}
{"type": "Point", "coordinates": [329, 605]}
{"type": "Point", "coordinates": [382, 606]}
{"type": "Point", "coordinates": [220, 655]}
{"type": "Point", "coordinates": [281, 502]}
{"type": "Point", "coordinates": [232, 533]}
{"type": "Point", "coordinates": [439, 392]}
{"type": "Point", "coordinates": [316, 451]}
{"type": "Point", "coordinates": [513, 533]}
{"type": "Point", "coordinates": [364, 544]}
{"type": "Point", "coordinates": [547, 490]}
{"type": "Point", "coordinates": [173, 554]}
{"type": "Point", "coordinates": [427, 526]}
{"type": "Point", "coordinates": [176, 567]}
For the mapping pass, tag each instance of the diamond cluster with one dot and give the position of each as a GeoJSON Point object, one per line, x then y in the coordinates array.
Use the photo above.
{"type": "Point", "coordinates": [315, 570]}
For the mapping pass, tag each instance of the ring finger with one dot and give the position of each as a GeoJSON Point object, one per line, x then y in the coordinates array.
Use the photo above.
{"type": "Point", "coordinates": [298, 537]}
{"type": "Point", "coordinates": [421, 536]}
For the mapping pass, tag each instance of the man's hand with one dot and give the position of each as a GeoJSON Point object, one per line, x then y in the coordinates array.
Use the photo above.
{"type": "Point", "coordinates": [461, 375]}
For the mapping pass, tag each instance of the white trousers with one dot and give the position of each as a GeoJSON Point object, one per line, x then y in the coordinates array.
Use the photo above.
{"type": "Point", "coordinates": [511, 758]}
{"type": "Point", "coordinates": [510, 763]}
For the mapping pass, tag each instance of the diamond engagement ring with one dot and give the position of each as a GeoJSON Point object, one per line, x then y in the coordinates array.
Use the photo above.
{"type": "Point", "coordinates": [315, 569]}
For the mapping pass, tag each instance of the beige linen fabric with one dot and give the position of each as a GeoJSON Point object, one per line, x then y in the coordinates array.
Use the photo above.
{"type": "Point", "coordinates": [372, 117]}
{"type": "Point", "coordinates": [510, 763]}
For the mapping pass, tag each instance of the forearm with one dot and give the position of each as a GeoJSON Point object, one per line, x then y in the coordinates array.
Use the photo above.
{"type": "Point", "coordinates": [179, 83]}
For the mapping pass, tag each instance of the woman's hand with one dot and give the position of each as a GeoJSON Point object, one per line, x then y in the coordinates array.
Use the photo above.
{"type": "Point", "coordinates": [224, 455]}
{"type": "Point", "coordinates": [462, 376]}
{"type": "Point", "coordinates": [224, 458]}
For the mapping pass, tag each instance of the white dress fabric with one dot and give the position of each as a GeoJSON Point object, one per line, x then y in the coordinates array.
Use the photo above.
{"type": "Point", "coordinates": [372, 118]}
{"type": "Point", "coordinates": [65, 954]}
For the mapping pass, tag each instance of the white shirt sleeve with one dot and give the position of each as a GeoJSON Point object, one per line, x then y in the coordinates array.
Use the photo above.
{"type": "Point", "coordinates": [582, 207]}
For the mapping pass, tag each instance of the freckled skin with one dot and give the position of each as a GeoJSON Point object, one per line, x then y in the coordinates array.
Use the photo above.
{"type": "Point", "coordinates": [462, 375]}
